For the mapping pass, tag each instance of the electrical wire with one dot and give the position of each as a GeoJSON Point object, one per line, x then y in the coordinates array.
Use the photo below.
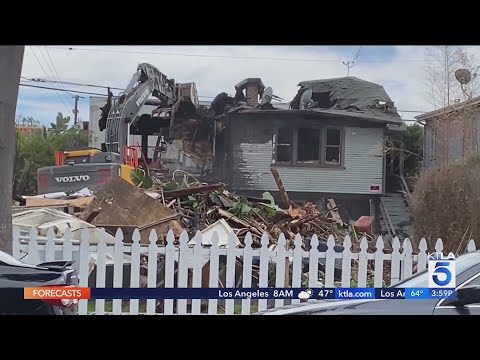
{"type": "Point", "coordinates": [41, 66]}
{"type": "Point", "coordinates": [53, 72]}
{"type": "Point", "coordinates": [57, 89]}
{"type": "Point", "coordinates": [226, 56]}
{"type": "Point", "coordinates": [73, 83]}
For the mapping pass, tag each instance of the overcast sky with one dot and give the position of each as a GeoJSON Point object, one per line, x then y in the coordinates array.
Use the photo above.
{"type": "Point", "coordinates": [218, 68]}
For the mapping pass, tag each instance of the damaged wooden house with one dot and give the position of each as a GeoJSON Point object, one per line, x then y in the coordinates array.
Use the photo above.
{"type": "Point", "coordinates": [327, 143]}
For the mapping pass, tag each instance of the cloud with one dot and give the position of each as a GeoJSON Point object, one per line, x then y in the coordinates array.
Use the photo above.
{"type": "Point", "coordinates": [397, 68]}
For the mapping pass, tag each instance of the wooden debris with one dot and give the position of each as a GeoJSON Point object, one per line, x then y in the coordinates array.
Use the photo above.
{"type": "Point", "coordinates": [281, 188]}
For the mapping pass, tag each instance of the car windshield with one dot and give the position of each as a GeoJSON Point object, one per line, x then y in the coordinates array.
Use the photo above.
{"type": "Point", "coordinates": [420, 280]}
{"type": "Point", "coordinates": [9, 260]}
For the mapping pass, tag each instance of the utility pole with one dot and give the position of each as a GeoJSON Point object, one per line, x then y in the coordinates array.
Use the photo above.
{"type": "Point", "coordinates": [75, 112]}
{"type": "Point", "coordinates": [11, 61]}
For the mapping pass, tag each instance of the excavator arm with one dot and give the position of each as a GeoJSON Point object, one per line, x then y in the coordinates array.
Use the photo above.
{"type": "Point", "coordinates": [147, 81]}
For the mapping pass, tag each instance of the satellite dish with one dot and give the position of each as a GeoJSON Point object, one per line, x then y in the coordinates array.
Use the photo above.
{"type": "Point", "coordinates": [306, 99]}
{"type": "Point", "coordinates": [267, 96]}
{"type": "Point", "coordinates": [463, 76]}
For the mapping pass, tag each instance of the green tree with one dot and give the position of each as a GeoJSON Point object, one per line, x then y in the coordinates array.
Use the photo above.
{"type": "Point", "coordinates": [61, 123]}
{"type": "Point", "coordinates": [413, 141]}
{"type": "Point", "coordinates": [37, 149]}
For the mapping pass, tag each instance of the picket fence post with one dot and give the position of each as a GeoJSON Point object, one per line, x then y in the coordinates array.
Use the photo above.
{"type": "Point", "coordinates": [170, 258]}
{"type": "Point", "coordinates": [135, 270]}
{"type": "Point", "coordinates": [101, 271]}
{"type": "Point", "coordinates": [422, 255]}
{"type": "Point", "coordinates": [152, 269]}
{"type": "Point", "coordinates": [213, 280]}
{"type": "Point", "coordinates": [84, 266]}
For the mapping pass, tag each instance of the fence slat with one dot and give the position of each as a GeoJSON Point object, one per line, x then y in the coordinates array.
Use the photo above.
{"type": "Point", "coordinates": [16, 243]}
{"type": "Point", "coordinates": [297, 265]}
{"type": "Point", "coordinates": [471, 246]}
{"type": "Point", "coordinates": [118, 270]}
{"type": "Point", "coordinates": [169, 270]}
{"type": "Point", "coordinates": [395, 263]}
{"type": "Point", "coordinates": [313, 263]}
{"type": "Point", "coordinates": [378, 274]}
{"type": "Point", "coordinates": [50, 245]}
{"type": "Point", "coordinates": [197, 271]}
{"type": "Point", "coordinates": [330, 262]}
{"type": "Point", "coordinates": [230, 276]}
{"type": "Point", "coordinates": [67, 248]}
{"type": "Point", "coordinates": [407, 258]}
{"type": "Point", "coordinates": [84, 267]}
{"type": "Point", "coordinates": [362, 263]}
{"type": "Point", "coordinates": [422, 255]}
{"type": "Point", "coordinates": [247, 272]}
{"type": "Point", "coordinates": [135, 270]}
{"type": "Point", "coordinates": [439, 245]}
{"type": "Point", "coordinates": [264, 264]}
{"type": "Point", "coordinates": [346, 261]}
{"type": "Point", "coordinates": [33, 256]}
{"type": "Point", "coordinates": [101, 270]}
{"type": "Point", "coordinates": [280, 267]}
{"type": "Point", "coordinates": [183, 266]}
{"type": "Point", "coordinates": [213, 275]}
{"type": "Point", "coordinates": [152, 270]}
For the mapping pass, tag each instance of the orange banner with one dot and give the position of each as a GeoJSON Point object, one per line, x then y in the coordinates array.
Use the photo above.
{"type": "Point", "coordinates": [56, 293]}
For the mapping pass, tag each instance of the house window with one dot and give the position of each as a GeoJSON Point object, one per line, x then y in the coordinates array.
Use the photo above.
{"type": "Point", "coordinates": [333, 147]}
{"type": "Point", "coordinates": [285, 145]}
{"type": "Point", "coordinates": [433, 142]}
{"type": "Point", "coordinates": [309, 147]}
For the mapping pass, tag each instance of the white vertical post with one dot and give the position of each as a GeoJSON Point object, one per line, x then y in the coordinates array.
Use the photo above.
{"type": "Point", "coordinates": [247, 272]}
{"type": "Point", "coordinates": [101, 271]}
{"type": "Point", "coordinates": [84, 269]}
{"type": "Point", "coordinates": [135, 270]}
{"type": "Point", "coordinates": [330, 262]}
{"type": "Point", "coordinates": [169, 270]}
{"type": "Point", "coordinates": [152, 270]}
{"type": "Point", "coordinates": [263, 272]}
{"type": "Point", "coordinates": [346, 261]}
{"type": "Point", "coordinates": [213, 276]}
{"type": "Point", "coordinates": [378, 274]}
{"type": "Point", "coordinates": [297, 265]}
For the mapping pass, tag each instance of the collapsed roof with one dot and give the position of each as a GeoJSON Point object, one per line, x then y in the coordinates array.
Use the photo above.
{"type": "Point", "coordinates": [351, 94]}
{"type": "Point", "coordinates": [345, 96]}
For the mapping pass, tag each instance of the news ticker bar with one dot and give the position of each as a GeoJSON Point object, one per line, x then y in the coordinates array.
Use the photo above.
{"type": "Point", "coordinates": [49, 293]}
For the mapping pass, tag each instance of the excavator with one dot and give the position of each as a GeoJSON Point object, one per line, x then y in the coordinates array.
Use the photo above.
{"type": "Point", "coordinates": [91, 168]}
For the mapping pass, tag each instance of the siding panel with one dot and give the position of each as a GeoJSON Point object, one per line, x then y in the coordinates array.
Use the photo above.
{"type": "Point", "coordinates": [363, 165]}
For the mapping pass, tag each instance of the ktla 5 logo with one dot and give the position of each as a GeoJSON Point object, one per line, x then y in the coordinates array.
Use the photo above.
{"type": "Point", "coordinates": [441, 270]}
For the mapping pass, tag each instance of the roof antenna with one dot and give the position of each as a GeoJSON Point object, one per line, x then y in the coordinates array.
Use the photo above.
{"type": "Point", "coordinates": [354, 62]}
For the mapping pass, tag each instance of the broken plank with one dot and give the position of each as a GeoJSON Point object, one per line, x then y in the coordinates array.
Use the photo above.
{"type": "Point", "coordinates": [192, 190]}
{"type": "Point", "coordinates": [281, 188]}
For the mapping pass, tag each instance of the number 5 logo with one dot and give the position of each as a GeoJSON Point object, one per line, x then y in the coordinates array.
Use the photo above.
{"type": "Point", "coordinates": [442, 267]}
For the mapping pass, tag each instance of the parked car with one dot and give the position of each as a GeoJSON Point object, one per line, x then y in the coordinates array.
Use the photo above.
{"type": "Point", "coordinates": [467, 301]}
{"type": "Point", "coordinates": [16, 275]}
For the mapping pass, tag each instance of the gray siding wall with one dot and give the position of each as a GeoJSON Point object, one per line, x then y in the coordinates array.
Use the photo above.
{"type": "Point", "coordinates": [251, 158]}
{"type": "Point", "coordinates": [450, 143]}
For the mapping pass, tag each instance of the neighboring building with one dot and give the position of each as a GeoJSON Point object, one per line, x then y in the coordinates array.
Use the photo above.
{"type": "Point", "coordinates": [450, 133]}
{"type": "Point", "coordinates": [27, 129]}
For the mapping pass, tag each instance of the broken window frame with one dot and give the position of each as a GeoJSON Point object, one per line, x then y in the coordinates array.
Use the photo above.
{"type": "Point", "coordinates": [292, 146]}
{"type": "Point", "coordinates": [321, 163]}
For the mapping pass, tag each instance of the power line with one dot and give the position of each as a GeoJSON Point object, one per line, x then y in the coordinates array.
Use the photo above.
{"type": "Point", "coordinates": [226, 56]}
{"type": "Point", "coordinates": [54, 68]}
{"type": "Point", "coordinates": [52, 72]}
{"type": "Point", "coordinates": [72, 83]}
{"type": "Point", "coordinates": [57, 89]}
{"type": "Point", "coordinates": [41, 66]}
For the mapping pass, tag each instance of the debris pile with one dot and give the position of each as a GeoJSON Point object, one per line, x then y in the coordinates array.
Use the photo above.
{"type": "Point", "coordinates": [199, 206]}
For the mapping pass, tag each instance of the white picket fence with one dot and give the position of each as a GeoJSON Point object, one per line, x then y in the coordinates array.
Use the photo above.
{"type": "Point", "coordinates": [186, 266]}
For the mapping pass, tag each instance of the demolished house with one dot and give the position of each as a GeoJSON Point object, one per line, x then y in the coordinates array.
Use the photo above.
{"type": "Point", "coordinates": [327, 144]}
